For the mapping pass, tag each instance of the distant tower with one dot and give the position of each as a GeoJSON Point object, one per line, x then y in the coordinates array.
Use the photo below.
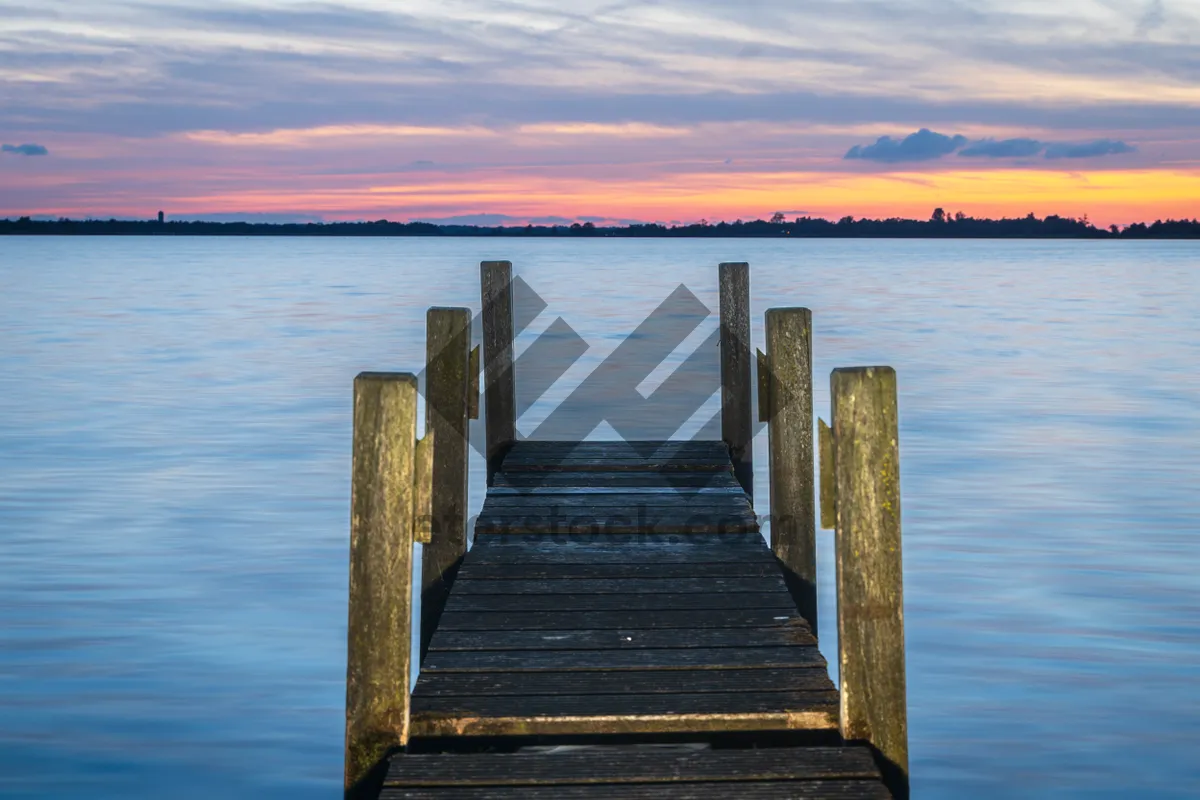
{"type": "Point", "coordinates": [160, 218]}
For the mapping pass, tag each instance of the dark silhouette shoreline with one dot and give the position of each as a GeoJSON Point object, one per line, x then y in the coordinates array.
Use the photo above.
{"type": "Point", "coordinates": [939, 226]}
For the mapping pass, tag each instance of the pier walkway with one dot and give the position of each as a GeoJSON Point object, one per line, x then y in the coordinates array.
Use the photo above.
{"type": "Point", "coordinates": [618, 629]}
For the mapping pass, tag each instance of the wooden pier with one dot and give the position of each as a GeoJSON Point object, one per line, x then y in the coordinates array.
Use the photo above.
{"type": "Point", "coordinates": [619, 627]}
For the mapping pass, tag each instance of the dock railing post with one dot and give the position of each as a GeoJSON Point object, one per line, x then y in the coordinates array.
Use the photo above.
{"type": "Point", "coordinates": [786, 381]}
{"type": "Point", "coordinates": [866, 468]}
{"type": "Point", "coordinates": [500, 390]}
{"type": "Point", "coordinates": [737, 425]}
{"type": "Point", "coordinates": [382, 520]}
{"type": "Point", "coordinates": [448, 385]}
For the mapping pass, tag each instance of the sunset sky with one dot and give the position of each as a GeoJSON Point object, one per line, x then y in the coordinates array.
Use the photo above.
{"type": "Point", "coordinates": [502, 111]}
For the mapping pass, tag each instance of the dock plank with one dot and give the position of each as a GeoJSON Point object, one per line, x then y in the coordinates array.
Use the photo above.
{"type": "Point", "coordinates": [552, 715]}
{"type": "Point", "coordinates": [622, 658]}
{"type": "Point", "coordinates": [601, 479]}
{"type": "Point", "coordinates": [622, 639]}
{"type": "Point", "coordinates": [608, 620]}
{"type": "Point", "coordinates": [619, 465]}
{"type": "Point", "coordinates": [619, 590]}
{"type": "Point", "coordinates": [772, 790]}
{"type": "Point", "coordinates": [616, 525]}
{"type": "Point", "coordinates": [638, 547]}
{"type": "Point", "coordinates": [659, 499]}
{"type": "Point", "coordinates": [618, 571]}
{"type": "Point", "coordinates": [628, 765]}
{"type": "Point", "coordinates": [813, 678]}
{"type": "Point", "coordinates": [587, 586]}
{"type": "Point", "coordinates": [491, 603]}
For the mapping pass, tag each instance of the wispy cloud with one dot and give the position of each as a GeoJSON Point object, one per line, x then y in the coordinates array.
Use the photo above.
{"type": "Point", "coordinates": [623, 130]}
{"type": "Point", "coordinates": [25, 149]}
{"type": "Point", "coordinates": [321, 135]}
{"type": "Point", "coordinates": [1152, 18]}
{"type": "Point", "coordinates": [156, 66]}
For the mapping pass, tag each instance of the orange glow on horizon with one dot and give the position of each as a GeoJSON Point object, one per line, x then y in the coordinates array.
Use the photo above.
{"type": "Point", "coordinates": [1117, 196]}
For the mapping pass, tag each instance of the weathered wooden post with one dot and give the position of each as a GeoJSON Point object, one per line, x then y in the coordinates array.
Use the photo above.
{"type": "Point", "coordinates": [785, 400]}
{"type": "Point", "coordinates": [382, 519]}
{"type": "Point", "coordinates": [866, 467]}
{"type": "Point", "coordinates": [737, 425]}
{"type": "Point", "coordinates": [448, 386]}
{"type": "Point", "coordinates": [500, 386]}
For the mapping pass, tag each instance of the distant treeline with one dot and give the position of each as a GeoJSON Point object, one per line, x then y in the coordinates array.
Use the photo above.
{"type": "Point", "coordinates": [939, 226]}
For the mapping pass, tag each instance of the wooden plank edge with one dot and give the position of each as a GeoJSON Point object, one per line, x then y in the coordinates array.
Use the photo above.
{"type": "Point", "coordinates": [438, 724]}
{"type": "Point", "coordinates": [582, 767]}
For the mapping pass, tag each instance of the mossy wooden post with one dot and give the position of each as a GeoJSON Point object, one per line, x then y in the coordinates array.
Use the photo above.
{"type": "Point", "coordinates": [789, 408]}
{"type": "Point", "coordinates": [447, 407]}
{"type": "Point", "coordinates": [737, 425]}
{"type": "Point", "coordinates": [500, 388]}
{"type": "Point", "coordinates": [866, 464]}
{"type": "Point", "coordinates": [381, 567]}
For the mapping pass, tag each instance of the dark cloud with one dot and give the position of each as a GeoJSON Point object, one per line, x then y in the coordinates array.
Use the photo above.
{"type": "Point", "coordinates": [1099, 147]}
{"type": "Point", "coordinates": [924, 145]}
{"type": "Point", "coordinates": [1002, 148]}
{"type": "Point", "coordinates": [927, 145]}
{"type": "Point", "coordinates": [25, 149]}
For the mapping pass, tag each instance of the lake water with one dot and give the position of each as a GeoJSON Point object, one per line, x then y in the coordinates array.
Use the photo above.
{"type": "Point", "coordinates": [174, 491]}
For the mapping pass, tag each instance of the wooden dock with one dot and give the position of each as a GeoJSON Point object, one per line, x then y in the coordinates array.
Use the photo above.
{"type": "Point", "coordinates": [619, 627]}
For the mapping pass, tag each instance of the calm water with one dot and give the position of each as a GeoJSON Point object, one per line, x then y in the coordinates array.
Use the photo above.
{"type": "Point", "coordinates": [174, 463]}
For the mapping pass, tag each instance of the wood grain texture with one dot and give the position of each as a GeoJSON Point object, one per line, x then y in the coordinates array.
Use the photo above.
{"type": "Point", "coordinates": [423, 490]}
{"type": "Point", "coordinates": [790, 438]}
{"type": "Point", "coordinates": [760, 680]}
{"type": "Point", "coordinates": [623, 639]}
{"type": "Point", "coordinates": [749, 790]}
{"type": "Point", "coordinates": [623, 766]}
{"type": "Point", "coordinates": [763, 375]}
{"type": "Point", "coordinates": [737, 423]}
{"type": "Point", "coordinates": [869, 572]}
{"type": "Point", "coordinates": [447, 410]}
{"type": "Point", "coordinates": [381, 544]}
{"type": "Point", "coordinates": [828, 479]}
{"type": "Point", "coordinates": [635, 586]}
{"type": "Point", "coordinates": [615, 549]}
{"type": "Point", "coordinates": [663, 498]}
{"type": "Point", "coordinates": [619, 571]}
{"type": "Point", "coordinates": [606, 516]}
{"type": "Point", "coordinates": [564, 715]}
{"type": "Point", "coordinates": [492, 603]}
{"type": "Point", "coordinates": [500, 388]}
{"type": "Point", "coordinates": [569, 464]}
{"type": "Point", "coordinates": [579, 479]}
{"type": "Point", "coordinates": [540, 448]}
{"type": "Point", "coordinates": [613, 525]}
{"type": "Point", "coordinates": [675, 658]}
{"type": "Point", "coordinates": [473, 369]}
{"type": "Point", "coordinates": [648, 619]}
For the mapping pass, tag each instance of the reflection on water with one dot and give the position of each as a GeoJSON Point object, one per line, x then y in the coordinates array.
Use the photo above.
{"type": "Point", "coordinates": [174, 465]}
